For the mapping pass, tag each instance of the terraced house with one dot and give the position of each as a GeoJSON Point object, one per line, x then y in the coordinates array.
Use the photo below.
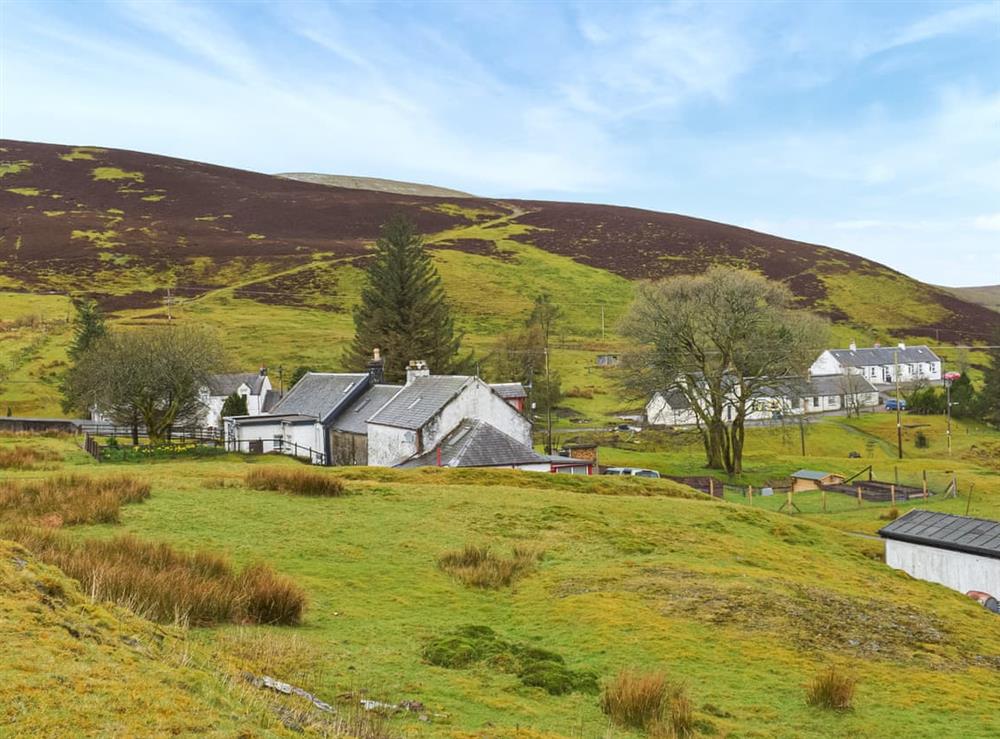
{"type": "Point", "coordinates": [881, 365]}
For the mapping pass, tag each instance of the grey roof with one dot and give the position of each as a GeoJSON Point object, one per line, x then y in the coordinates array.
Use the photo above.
{"type": "Point", "coordinates": [320, 393]}
{"type": "Point", "coordinates": [811, 474]}
{"type": "Point", "coordinates": [478, 444]}
{"type": "Point", "coordinates": [354, 418]}
{"type": "Point", "coordinates": [882, 355]}
{"type": "Point", "coordinates": [946, 531]}
{"type": "Point", "coordinates": [271, 397]}
{"type": "Point", "coordinates": [420, 401]}
{"type": "Point", "coordinates": [677, 400]}
{"type": "Point", "coordinates": [274, 418]}
{"type": "Point", "coordinates": [851, 384]}
{"type": "Point", "coordinates": [507, 390]}
{"type": "Point", "coordinates": [228, 384]}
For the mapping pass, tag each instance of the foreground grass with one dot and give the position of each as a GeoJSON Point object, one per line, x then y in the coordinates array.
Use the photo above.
{"type": "Point", "coordinates": [740, 606]}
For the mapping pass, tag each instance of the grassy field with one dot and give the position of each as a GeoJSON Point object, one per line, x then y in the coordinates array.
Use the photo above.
{"type": "Point", "coordinates": [742, 606]}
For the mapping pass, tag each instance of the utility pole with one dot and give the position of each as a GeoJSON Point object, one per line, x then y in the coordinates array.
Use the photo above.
{"type": "Point", "coordinates": [602, 321]}
{"type": "Point", "coordinates": [802, 435]}
{"type": "Point", "coordinates": [949, 377]}
{"type": "Point", "coordinates": [548, 403]}
{"type": "Point", "coordinates": [169, 302]}
{"type": "Point", "coordinates": [899, 420]}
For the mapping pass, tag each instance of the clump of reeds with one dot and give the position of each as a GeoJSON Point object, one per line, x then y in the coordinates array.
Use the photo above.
{"type": "Point", "coordinates": [296, 482]}
{"type": "Point", "coordinates": [67, 500]}
{"type": "Point", "coordinates": [26, 457]}
{"type": "Point", "coordinates": [167, 585]}
{"type": "Point", "coordinates": [480, 567]}
{"type": "Point", "coordinates": [832, 689]}
{"type": "Point", "coordinates": [648, 701]}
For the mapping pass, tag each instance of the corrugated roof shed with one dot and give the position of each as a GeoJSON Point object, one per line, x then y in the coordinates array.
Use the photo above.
{"type": "Point", "coordinates": [811, 475]}
{"type": "Point", "coordinates": [882, 355]}
{"type": "Point", "coordinates": [354, 418]}
{"type": "Point", "coordinates": [319, 393]}
{"type": "Point", "coordinates": [946, 531]}
{"type": "Point", "coordinates": [420, 401]}
{"type": "Point", "coordinates": [478, 444]}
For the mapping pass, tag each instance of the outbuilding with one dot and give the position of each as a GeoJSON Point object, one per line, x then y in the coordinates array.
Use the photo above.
{"type": "Point", "coordinates": [804, 480]}
{"type": "Point", "coordinates": [959, 552]}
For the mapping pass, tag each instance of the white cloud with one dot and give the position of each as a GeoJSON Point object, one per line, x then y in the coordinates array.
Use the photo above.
{"type": "Point", "coordinates": [954, 20]}
{"type": "Point", "coordinates": [989, 222]}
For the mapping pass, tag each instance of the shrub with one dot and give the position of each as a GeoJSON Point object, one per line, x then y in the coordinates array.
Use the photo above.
{"type": "Point", "coordinates": [920, 440]}
{"type": "Point", "coordinates": [70, 499]}
{"type": "Point", "coordinates": [26, 457]}
{"type": "Point", "coordinates": [635, 699]}
{"type": "Point", "coordinates": [832, 689]}
{"type": "Point", "coordinates": [478, 566]}
{"type": "Point", "coordinates": [164, 584]}
{"type": "Point", "coordinates": [890, 515]}
{"type": "Point", "coordinates": [296, 482]}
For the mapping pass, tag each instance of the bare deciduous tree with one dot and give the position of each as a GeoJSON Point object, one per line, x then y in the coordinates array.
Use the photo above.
{"type": "Point", "coordinates": [723, 339]}
{"type": "Point", "coordinates": [151, 377]}
{"type": "Point", "coordinates": [853, 388]}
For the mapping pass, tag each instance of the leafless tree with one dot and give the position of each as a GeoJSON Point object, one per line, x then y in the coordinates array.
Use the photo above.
{"type": "Point", "coordinates": [853, 388]}
{"type": "Point", "coordinates": [723, 339]}
{"type": "Point", "coordinates": [151, 377]}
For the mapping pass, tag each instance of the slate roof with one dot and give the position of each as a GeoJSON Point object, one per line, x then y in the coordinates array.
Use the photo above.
{"type": "Point", "coordinates": [354, 418]}
{"type": "Point", "coordinates": [839, 385]}
{"type": "Point", "coordinates": [676, 400]}
{"type": "Point", "coordinates": [293, 418]}
{"type": "Point", "coordinates": [478, 444]}
{"type": "Point", "coordinates": [420, 401]}
{"type": "Point", "coordinates": [226, 385]}
{"type": "Point", "coordinates": [883, 355]}
{"type": "Point", "coordinates": [946, 531]}
{"type": "Point", "coordinates": [811, 474]}
{"type": "Point", "coordinates": [508, 390]}
{"type": "Point", "coordinates": [271, 397]}
{"type": "Point", "coordinates": [318, 394]}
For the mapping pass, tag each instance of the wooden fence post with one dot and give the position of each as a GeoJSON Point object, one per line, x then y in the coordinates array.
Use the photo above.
{"type": "Point", "coordinates": [711, 486]}
{"type": "Point", "coordinates": [750, 494]}
{"type": "Point", "coordinates": [859, 496]}
{"type": "Point", "coordinates": [925, 484]}
{"type": "Point", "coordinates": [824, 499]}
{"type": "Point", "coordinates": [790, 500]}
{"type": "Point", "coordinates": [892, 494]}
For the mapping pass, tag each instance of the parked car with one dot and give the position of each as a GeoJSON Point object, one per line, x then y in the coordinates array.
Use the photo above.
{"type": "Point", "coordinates": [986, 600]}
{"type": "Point", "coordinates": [631, 471]}
{"type": "Point", "coordinates": [890, 404]}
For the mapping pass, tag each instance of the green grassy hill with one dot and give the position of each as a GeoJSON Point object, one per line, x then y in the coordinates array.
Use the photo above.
{"type": "Point", "coordinates": [741, 605]}
{"type": "Point", "coordinates": [275, 265]}
{"type": "Point", "coordinates": [987, 295]}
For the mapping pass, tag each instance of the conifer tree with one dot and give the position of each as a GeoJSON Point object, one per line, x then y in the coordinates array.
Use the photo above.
{"type": "Point", "coordinates": [88, 326]}
{"type": "Point", "coordinates": [990, 396]}
{"type": "Point", "coordinates": [403, 311]}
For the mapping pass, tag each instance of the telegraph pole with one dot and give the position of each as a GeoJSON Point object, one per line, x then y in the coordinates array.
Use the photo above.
{"type": "Point", "coordinates": [548, 403]}
{"type": "Point", "coordinates": [899, 421]}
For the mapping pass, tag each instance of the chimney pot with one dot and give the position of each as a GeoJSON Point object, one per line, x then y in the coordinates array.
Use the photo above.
{"type": "Point", "coordinates": [853, 347]}
{"type": "Point", "coordinates": [416, 368]}
{"type": "Point", "coordinates": [902, 345]}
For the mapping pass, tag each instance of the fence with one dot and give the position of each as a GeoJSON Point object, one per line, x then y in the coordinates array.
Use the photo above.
{"type": "Point", "coordinates": [275, 446]}
{"type": "Point", "coordinates": [205, 434]}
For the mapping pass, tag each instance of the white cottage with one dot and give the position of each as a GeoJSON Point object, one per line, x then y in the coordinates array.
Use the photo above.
{"type": "Point", "coordinates": [959, 552]}
{"type": "Point", "coordinates": [879, 365]}
{"type": "Point", "coordinates": [254, 386]}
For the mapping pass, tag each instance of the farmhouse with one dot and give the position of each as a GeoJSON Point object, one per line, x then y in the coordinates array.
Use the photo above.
{"type": "Point", "coordinates": [513, 392]}
{"type": "Point", "coordinates": [354, 419]}
{"type": "Point", "coordinates": [880, 365]}
{"type": "Point", "coordinates": [829, 393]}
{"type": "Point", "coordinates": [959, 552]}
{"type": "Point", "coordinates": [254, 386]}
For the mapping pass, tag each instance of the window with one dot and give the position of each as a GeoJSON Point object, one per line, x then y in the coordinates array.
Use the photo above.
{"type": "Point", "coordinates": [815, 401]}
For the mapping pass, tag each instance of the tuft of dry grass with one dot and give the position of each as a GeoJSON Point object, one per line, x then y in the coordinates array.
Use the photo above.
{"type": "Point", "coordinates": [832, 689]}
{"type": "Point", "coordinates": [26, 457]}
{"type": "Point", "coordinates": [166, 585]}
{"type": "Point", "coordinates": [479, 567]}
{"type": "Point", "coordinates": [891, 514]}
{"type": "Point", "coordinates": [296, 482]}
{"type": "Point", "coordinates": [68, 500]}
{"type": "Point", "coordinates": [649, 701]}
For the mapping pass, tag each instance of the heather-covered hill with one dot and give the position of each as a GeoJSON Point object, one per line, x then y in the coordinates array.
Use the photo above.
{"type": "Point", "coordinates": [128, 225]}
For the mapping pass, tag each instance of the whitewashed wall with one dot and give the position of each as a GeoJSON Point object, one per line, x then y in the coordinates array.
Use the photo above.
{"type": "Point", "coordinates": [825, 364]}
{"type": "Point", "coordinates": [956, 570]}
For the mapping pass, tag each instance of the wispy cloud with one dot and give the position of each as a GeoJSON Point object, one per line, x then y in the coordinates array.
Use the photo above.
{"type": "Point", "coordinates": [956, 19]}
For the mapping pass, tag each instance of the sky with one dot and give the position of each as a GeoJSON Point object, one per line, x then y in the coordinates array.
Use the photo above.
{"type": "Point", "coordinates": [872, 127]}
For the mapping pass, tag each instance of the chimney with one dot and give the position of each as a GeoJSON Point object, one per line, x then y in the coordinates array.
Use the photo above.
{"type": "Point", "coordinates": [902, 345]}
{"type": "Point", "coordinates": [416, 368]}
{"type": "Point", "coordinates": [853, 346]}
{"type": "Point", "coordinates": [376, 367]}
{"type": "Point", "coordinates": [263, 371]}
{"type": "Point", "coordinates": [878, 344]}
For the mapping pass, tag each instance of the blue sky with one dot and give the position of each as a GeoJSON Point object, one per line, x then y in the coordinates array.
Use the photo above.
{"type": "Point", "coordinates": [873, 127]}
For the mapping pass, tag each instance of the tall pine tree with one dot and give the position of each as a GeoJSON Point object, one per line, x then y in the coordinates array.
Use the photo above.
{"type": "Point", "coordinates": [403, 310]}
{"type": "Point", "coordinates": [990, 396]}
{"type": "Point", "coordinates": [88, 326]}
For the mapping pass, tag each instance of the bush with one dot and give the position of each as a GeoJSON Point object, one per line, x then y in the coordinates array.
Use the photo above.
{"type": "Point", "coordinates": [920, 440]}
{"type": "Point", "coordinates": [26, 457]}
{"type": "Point", "coordinates": [166, 585]}
{"type": "Point", "coordinates": [478, 566]}
{"type": "Point", "coordinates": [296, 482]}
{"type": "Point", "coordinates": [890, 515]}
{"type": "Point", "coordinates": [70, 499]}
{"type": "Point", "coordinates": [832, 689]}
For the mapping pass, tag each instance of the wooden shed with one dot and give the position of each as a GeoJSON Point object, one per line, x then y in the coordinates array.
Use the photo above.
{"type": "Point", "coordinates": [813, 480]}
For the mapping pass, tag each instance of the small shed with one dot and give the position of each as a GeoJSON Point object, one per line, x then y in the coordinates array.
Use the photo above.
{"type": "Point", "coordinates": [586, 452]}
{"type": "Point", "coordinates": [804, 480]}
{"type": "Point", "coordinates": [959, 552]}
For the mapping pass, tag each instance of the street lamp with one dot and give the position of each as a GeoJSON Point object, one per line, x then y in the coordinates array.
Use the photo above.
{"type": "Point", "coordinates": [949, 377]}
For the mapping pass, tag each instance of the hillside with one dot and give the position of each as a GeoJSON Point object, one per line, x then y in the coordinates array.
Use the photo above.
{"type": "Point", "coordinates": [273, 263]}
{"type": "Point", "coordinates": [377, 184]}
{"type": "Point", "coordinates": [740, 605]}
{"type": "Point", "coordinates": [987, 295]}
